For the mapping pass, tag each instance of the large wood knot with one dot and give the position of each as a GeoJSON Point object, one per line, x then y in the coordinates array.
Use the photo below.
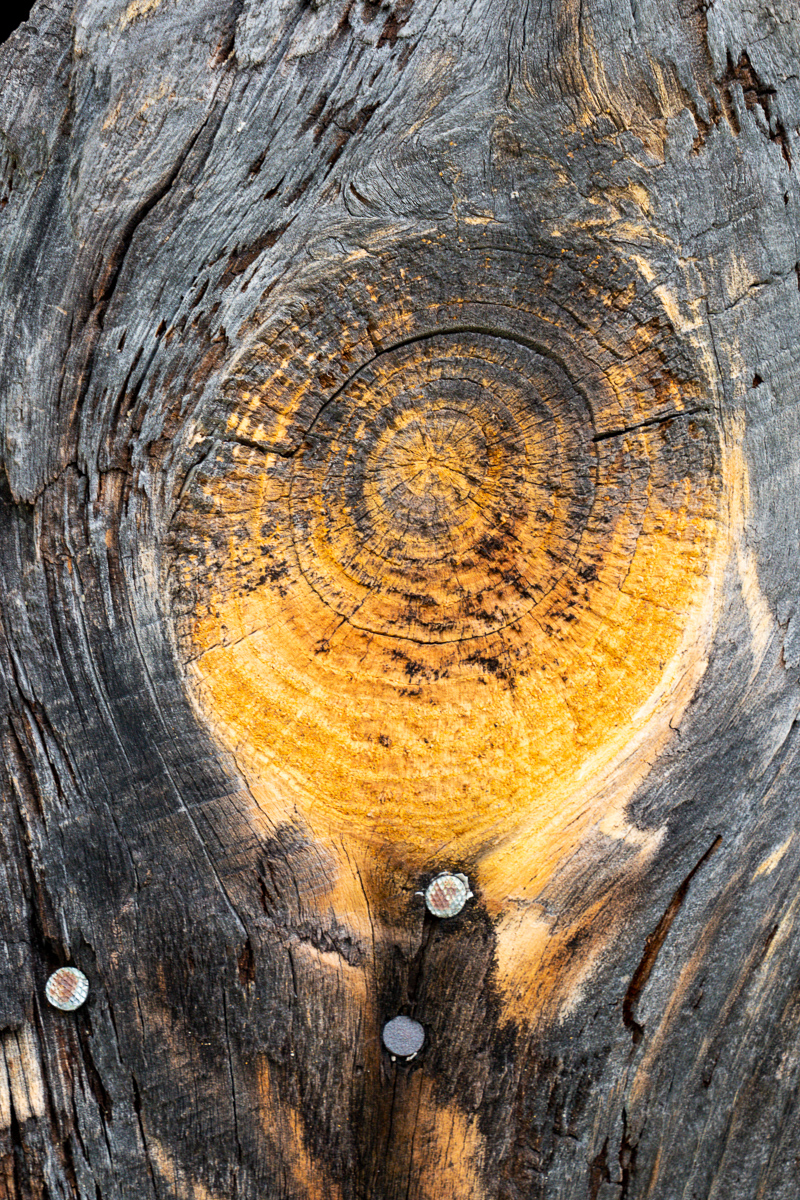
{"type": "Point", "coordinates": [450, 553]}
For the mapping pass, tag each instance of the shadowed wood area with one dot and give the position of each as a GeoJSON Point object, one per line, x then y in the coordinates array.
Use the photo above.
{"type": "Point", "coordinates": [399, 476]}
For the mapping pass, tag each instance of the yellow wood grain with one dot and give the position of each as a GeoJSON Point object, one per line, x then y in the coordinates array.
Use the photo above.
{"type": "Point", "coordinates": [451, 586]}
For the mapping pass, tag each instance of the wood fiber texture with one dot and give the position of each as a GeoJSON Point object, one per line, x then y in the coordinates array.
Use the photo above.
{"type": "Point", "coordinates": [400, 473]}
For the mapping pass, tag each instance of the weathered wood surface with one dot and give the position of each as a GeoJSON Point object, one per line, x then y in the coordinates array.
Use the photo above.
{"type": "Point", "coordinates": [400, 472]}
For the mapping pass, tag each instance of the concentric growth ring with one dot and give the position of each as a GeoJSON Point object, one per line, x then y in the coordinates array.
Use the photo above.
{"type": "Point", "coordinates": [444, 490]}
{"type": "Point", "coordinates": [449, 553]}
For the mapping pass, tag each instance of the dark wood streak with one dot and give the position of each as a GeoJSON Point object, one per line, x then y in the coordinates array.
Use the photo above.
{"type": "Point", "coordinates": [652, 947]}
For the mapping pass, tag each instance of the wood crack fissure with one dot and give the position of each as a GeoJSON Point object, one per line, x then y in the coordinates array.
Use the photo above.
{"type": "Point", "coordinates": [653, 944]}
{"type": "Point", "coordinates": [104, 287]}
{"type": "Point", "coordinates": [670, 416]}
{"type": "Point", "coordinates": [485, 330]}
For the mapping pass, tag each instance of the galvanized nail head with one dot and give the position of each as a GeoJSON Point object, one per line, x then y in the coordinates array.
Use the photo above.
{"type": "Point", "coordinates": [67, 989]}
{"type": "Point", "coordinates": [403, 1038]}
{"type": "Point", "coordinates": [447, 894]}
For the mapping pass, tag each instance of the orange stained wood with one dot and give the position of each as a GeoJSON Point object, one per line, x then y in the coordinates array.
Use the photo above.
{"type": "Point", "coordinates": [470, 592]}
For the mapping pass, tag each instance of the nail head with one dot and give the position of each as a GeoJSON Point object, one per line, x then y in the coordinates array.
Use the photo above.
{"type": "Point", "coordinates": [403, 1037]}
{"type": "Point", "coordinates": [67, 989]}
{"type": "Point", "coordinates": [447, 894]}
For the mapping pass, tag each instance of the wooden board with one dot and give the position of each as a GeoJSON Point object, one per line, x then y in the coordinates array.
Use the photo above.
{"type": "Point", "coordinates": [400, 474]}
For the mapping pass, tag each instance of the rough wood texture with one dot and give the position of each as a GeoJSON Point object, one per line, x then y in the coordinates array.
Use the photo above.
{"type": "Point", "coordinates": [400, 472]}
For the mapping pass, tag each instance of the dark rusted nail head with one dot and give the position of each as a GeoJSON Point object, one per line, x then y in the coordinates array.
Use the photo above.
{"type": "Point", "coordinates": [447, 894]}
{"type": "Point", "coordinates": [67, 989]}
{"type": "Point", "coordinates": [403, 1038]}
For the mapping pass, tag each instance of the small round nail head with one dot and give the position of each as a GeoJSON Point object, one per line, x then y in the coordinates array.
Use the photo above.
{"type": "Point", "coordinates": [447, 894]}
{"type": "Point", "coordinates": [67, 989]}
{"type": "Point", "coordinates": [402, 1037]}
